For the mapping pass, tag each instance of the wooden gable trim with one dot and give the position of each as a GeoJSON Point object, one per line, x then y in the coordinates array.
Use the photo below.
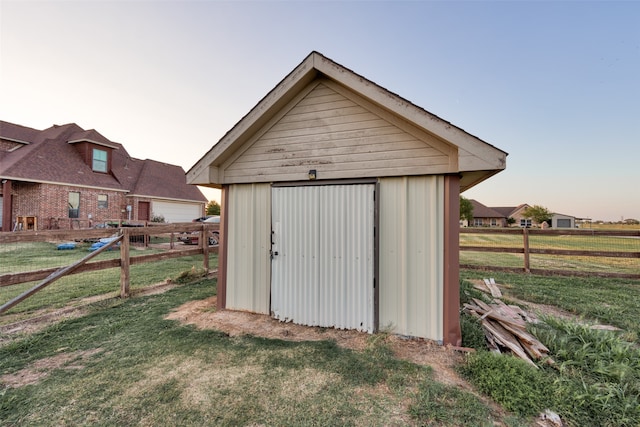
{"type": "Point", "coordinates": [267, 126]}
{"type": "Point", "coordinates": [473, 155]}
{"type": "Point", "coordinates": [268, 166]}
{"type": "Point", "coordinates": [479, 154]}
{"type": "Point", "coordinates": [278, 97]}
{"type": "Point", "coordinates": [428, 138]}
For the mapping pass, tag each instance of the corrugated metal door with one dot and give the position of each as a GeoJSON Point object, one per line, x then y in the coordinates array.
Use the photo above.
{"type": "Point", "coordinates": [323, 255]}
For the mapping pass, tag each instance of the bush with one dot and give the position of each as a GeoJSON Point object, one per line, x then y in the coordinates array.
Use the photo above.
{"type": "Point", "coordinates": [157, 218]}
{"type": "Point", "coordinates": [472, 333]}
{"type": "Point", "coordinates": [597, 374]}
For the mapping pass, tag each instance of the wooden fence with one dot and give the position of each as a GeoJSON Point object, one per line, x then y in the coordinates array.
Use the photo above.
{"type": "Point", "coordinates": [124, 236]}
{"type": "Point", "coordinates": [627, 248]}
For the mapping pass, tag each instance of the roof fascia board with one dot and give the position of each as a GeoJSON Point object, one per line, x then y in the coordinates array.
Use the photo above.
{"type": "Point", "coordinates": [104, 144]}
{"type": "Point", "coordinates": [19, 179]}
{"type": "Point", "coordinates": [487, 157]}
{"type": "Point", "coordinates": [19, 141]}
{"type": "Point", "coordinates": [433, 140]}
{"type": "Point", "coordinates": [299, 77]}
{"type": "Point", "coordinates": [279, 114]}
{"type": "Point", "coordinates": [173, 199]}
{"type": "Point", "coordinates": [430, 122]}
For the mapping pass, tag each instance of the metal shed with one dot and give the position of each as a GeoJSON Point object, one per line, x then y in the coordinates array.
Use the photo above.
{"type": "Point", "coordinates": [340, 206]}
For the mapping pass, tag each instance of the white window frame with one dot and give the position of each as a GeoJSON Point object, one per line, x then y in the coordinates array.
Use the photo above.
{"type": "Point", "coordinates": [525, 222]}
{"type": "Point", "coordinates": [98, 164]}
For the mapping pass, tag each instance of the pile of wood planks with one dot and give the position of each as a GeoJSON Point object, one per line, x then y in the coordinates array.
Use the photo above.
{"type": "Point", "coordinates": [505, 326]}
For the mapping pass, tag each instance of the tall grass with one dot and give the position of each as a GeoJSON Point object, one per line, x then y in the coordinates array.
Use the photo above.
{"type": "Point", "coordinates": [595, 380]}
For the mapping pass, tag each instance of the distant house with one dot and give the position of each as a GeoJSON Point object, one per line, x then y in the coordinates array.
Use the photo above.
{"type": "Point", "coordinates": [516, 212]}
{"type": "Point", "coordinates": [67, 177]}
{"type": "Point", "coordinates": [498, 216]}
{"type": "Point", "coordinates": [484, 216]}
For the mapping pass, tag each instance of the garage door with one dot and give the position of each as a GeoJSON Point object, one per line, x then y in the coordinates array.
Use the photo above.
{"type": "Point", "coordinates": [176, 211]}
{"type": "Point", "coordinates": [322, 268]}
{"type": "Point", "coordinates": [564, 223]}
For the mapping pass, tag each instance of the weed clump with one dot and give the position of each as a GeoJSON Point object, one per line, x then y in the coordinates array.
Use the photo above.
{"type": "Point", "coordinates": [597, 374]}
{"type": "Point", "coordinates": [509, 381]}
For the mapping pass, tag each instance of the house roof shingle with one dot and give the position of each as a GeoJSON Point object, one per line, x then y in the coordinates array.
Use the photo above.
{"type": "Point", "coordinates": [482, 211]}
{"type": "Point", "coordinates": [50, 157]}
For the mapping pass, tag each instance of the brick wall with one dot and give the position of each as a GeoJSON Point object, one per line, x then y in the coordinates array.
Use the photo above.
{"type": "Point", "coordinates": [50, 204]}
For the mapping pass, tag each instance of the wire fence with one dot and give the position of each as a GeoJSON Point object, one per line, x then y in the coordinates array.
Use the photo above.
{"type": "Point", "coordinates": [610, 253]}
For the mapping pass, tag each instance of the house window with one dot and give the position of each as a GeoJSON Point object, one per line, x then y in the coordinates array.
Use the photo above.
{"type": "Point", "coordinates": [477, 222]}
{"type": "Point", "coordinates": [103, 201]}
{"type": "Point", "coordinates": [494, 222]}
{"type": "Point", "coordinates": [74, 204]}
{"type": "Point", "coordinates": [525, 223]}
{"type": "Point", "coordinates": [99, 160]}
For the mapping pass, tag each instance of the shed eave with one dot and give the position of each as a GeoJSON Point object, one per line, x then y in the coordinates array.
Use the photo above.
{"type": "Point", "coordinates": [279, 96]}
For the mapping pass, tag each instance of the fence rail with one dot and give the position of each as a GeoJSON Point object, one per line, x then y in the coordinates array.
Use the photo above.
{"type": "Point", "coordinates": [124, 236]}
{"type": "Point", "coordinates": [607, 253]}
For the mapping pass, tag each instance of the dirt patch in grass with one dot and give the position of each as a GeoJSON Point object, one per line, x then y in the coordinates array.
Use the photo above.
{"type": "Point", "coordinates": [40, 369]}
{"type": "Point", "coordinates": [203, 315]}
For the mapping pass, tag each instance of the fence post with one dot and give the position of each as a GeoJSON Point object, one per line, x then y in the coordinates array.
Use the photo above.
{"type": "Point", "coordinates": [124, 264]}
{"type": "Point", "coordinates": [525, 236]}
{"type": "Point", "coordinates": [205, 248]}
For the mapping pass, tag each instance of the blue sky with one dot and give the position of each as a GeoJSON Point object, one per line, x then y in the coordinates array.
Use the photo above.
{"type": "Point", "coordinates": [554, 84]}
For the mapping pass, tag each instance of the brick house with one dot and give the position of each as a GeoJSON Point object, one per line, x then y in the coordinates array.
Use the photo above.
{"type": "Point", "coordinates": [66, 177]}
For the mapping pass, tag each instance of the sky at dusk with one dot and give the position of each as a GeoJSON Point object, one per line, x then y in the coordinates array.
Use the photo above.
{"type": "Point", "coordinates": [554, 84]}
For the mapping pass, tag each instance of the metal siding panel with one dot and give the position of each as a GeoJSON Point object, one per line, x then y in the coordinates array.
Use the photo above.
{"type": "Point", "coordinates": [249, 230]}
{"type": "Point", "coordinates": [323, 273]}
{"type": "Point", "coordinates": [411, 251]}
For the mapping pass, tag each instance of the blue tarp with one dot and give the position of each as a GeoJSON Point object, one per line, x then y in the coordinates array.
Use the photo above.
{"type": "Point", "coordinates": [101, 243]}
{"type": "Point", "coordinates": [67, 245]}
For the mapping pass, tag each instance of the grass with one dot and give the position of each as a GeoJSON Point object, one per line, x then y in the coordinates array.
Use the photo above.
{"type": "Point", "coordinates": [73, 288]}
{"type": "Point", "coordinates": [126, 365]}
{"type": "Point", "coordinates": [553, 262]}
{"type": "Point", "coordinates": [123, 364]}
{"type": "Point", "coordinates": [19, 257]}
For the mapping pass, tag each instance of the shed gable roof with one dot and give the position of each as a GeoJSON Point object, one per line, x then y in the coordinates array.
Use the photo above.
{"type": "Point", "coordinates": [355, 98]}
{"type": "Point", "coordinates": [325, 128]}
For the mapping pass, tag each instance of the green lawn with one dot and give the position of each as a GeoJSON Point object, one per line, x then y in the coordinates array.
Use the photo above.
{"type": "Point", "coordinates": [553, 262]}
{"type": "Point", "coordinates": [124, 364]}
{"type": "Point", "coordinates": [72, 289]}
